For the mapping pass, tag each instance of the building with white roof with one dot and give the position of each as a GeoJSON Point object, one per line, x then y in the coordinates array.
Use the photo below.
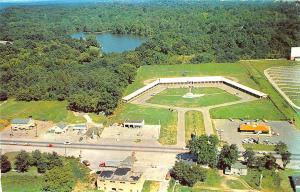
{"type": "Point", "coordinates": [295, 53]}
{"type": "Point", "coordinates": [195, 80]}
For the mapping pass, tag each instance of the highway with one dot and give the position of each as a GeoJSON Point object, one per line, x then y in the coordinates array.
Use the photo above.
{"type": "Point", "coordinates": [137, 148]}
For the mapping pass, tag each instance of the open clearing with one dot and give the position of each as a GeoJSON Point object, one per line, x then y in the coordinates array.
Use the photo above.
{"type": "Point", "coordinates": [212, 96]}
{"type": "Point", "coordinates": [153, 116]}
{"type": "Point", "coordinates": [55, 111]}
{"type": "Point", "coordinates": [193, 124]}
{"type": "Point", "coordinates": [259, 109]}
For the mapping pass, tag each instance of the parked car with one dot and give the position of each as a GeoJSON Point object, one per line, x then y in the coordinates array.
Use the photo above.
{"type": "Point", "coordinates": [67, 143]}
{"type": "Point", "coordinates": [102, 164]}
{"type": "Point", "coordinates": [86, 162]}
{"type": "Point", "coordinates": [230, 119]}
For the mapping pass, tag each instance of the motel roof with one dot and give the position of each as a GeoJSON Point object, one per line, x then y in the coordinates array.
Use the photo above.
{"type": "Point", "coordinates": [20, 121]}
{"type": "Point", "coordinates": [254, 127]}
{"type": "Point", "coordinates": [295, 52]}
{"type": "Point", "coordinates": [134, 121]}
{"type": "Point", "coordinates": [194, 80]}
{"type": "Point", "coordinates": [296, 180]}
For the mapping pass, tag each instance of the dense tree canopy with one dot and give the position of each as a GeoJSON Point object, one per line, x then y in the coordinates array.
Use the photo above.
{"type": "Point", "coordinates": [44, 63]}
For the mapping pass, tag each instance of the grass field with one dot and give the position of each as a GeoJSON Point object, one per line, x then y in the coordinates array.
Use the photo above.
{"type": "Point", "coordinates": [249, 73]}
{"type": "Point", "coordinates": [259, 109]}
{"type": "Point", "coordinates": [55, 111]}
{"type": "Point", "coordinates": [271, 181]}
{"type": "Point", "coordinates": [212, 96]}
{"type": "Point", "coordinates": [150, 186]}
{"type": "Point", "coordinates": [259, 147]}
{"type": "Point", "coordinates": [235, 184]}
{"type": "Point", "coordinates": [193, 124]}
{"type": "Point", "coordinates": [166, 118]}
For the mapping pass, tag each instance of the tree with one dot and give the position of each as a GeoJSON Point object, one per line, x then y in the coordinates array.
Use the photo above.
{"type": "Point", "coordinates": [59, 179]}
{"type": "Point", "coordinates": [282, 149]}
{"type": "Point", "coordinates": [286, 158]}
{"type": "Point", "coordinates": [268, 161]}
{"type": "Point", "coordinates": [249, 156]}
{"type": "Point", "coordinates": [3, 95]}
{"type": "Point", "coordinates": [188, 174]}
{"type": "Point", "coordinates": [36, 156]}
{"type": "Point", "coordinates": [54, 160]}
{"type": "Point", "coordinates": [5, 164]}
{"type": "Point", "coordinates": [228, 156]}
{"type": "Point", "coordinates": [22, 162]}
{"type": "Point", "coordinates": [42, 165]}
{"type": "Point", "coordinates": [205, 149]}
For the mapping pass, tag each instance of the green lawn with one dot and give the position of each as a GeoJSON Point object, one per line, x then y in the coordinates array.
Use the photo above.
{"type": "Point", "coordinates": [259, 147]}
{"type": "Point", "coordinates": [259, 109]}
{"type": "Point", "coordinates": [150, 186]}
{"type": "Point", "coordinates": [213, 181]}
{"type": "Point", "coordinates": [235, 184]}
{"type": "Point", "coordinates": [193, 124]}
{"type": "Point", "coordinates": [212, 96]}
{"type": "Point", "coordinates": [40, 110]}
{"type": "Point", "coordinates": [271, 181]}
{"type": "Point", "coordinates": [166, 118]}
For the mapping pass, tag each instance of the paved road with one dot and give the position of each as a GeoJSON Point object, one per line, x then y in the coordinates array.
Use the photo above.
{"type": "Point", "coordinates": [140, 148]}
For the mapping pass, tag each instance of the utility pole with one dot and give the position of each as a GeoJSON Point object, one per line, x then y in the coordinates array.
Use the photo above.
{"type": "Point", "coordinates": [36, 132]}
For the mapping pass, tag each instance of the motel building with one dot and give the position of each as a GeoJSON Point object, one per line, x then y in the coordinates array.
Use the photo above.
{"type": "Point", "coordinates": [134, 123]}
{"type": "Point", "coordinates": [122, 178]}
{"type": "Point", "coordinates": [22, 124]}
{"type": "Point", "coordinates": [254, 128]}
{"type": "Point", "coordinates": [295, 54]}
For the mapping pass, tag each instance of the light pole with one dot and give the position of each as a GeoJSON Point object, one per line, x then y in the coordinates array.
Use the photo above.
{"type": "Point", "coordinates": [220, 133]}
{"type": "Point", "coordinates": [176, 182]}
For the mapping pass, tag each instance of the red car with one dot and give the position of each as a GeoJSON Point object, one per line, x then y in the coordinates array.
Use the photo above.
{"type": "Point", "coordinates": [102, 164]}
{"type": "Point", "coordinates": [50, 145]}
{"type": "Point", "coordinates": [86, 162]}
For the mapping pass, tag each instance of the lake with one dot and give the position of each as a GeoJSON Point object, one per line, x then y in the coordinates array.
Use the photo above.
{"type": "Point", "coordinates": [112, 43]}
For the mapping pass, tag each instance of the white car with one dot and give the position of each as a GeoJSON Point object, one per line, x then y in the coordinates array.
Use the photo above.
{"type": "Point", "coordinates": [67, 143]}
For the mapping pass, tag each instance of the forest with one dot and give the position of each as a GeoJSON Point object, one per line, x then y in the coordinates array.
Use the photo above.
{"type": "Point", "coordinates": [44, 63]}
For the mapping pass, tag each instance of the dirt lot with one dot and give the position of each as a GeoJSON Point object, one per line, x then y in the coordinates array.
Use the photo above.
{"type": "Point", "coordinates": [42, 128]}
{"type": "Point", "coordinates": [148, 132]}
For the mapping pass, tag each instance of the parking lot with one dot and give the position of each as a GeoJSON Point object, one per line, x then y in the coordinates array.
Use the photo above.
{"type": "Point", "coordinates": [283, 130]}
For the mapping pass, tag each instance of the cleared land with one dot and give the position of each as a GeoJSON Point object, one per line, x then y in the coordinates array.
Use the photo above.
{"type": "Point", "coordinates": [271, 181]}
{"type": "Point", "coordinates": [193, 124]}
{"type": "Point", "coordinates": [55, 111]}
{"type": "Point", "coordinates": [235, 184]}
{"type": "Point", "coordinates": [150, 186]}
{"type": "Point", "coordinates": [259, 109]}
{"type": "Point", "coordinates": [173, 97]}
{"type": "Point", "coordinates": [260, 147]}
{"type": "Point", "coordinates": [167, 119]}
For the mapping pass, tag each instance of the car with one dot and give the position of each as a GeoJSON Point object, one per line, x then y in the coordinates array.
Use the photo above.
{"type": "Point", "coordinates": [13, 143]}
{"type": "Point", "coordinates": [67, 143]}
{"type": "Point", "coordinates": [230, 119]}
{"type": "Point", "coordinates": [242, 119]}
{"type": "Point", "coordinates": [50, 145]}
{"type": "Point", "coordinates": [86, 162]}
{"type": "Point", "coordinates": [27, 144]}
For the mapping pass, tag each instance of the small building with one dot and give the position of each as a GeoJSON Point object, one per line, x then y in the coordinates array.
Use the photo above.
{"type": "Point", "coordinates": [59, 128]}
{"type": "Point", "coordinates": [134, 123]}
{"type": "Point", "coordinates": [254, 128]}
{"type": "Point", "coordinates": [295, 53]}
{"type": "Point", "coordinates": [237, 169]}
{"type": "Point", "coordinates": [79, 127]}
{"type": "Point", "coordinates": [296, 182]}
{"type": "Point", "coordinates": [122, 178]}
{"type": "Point", "coordinates": [23, 124]}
